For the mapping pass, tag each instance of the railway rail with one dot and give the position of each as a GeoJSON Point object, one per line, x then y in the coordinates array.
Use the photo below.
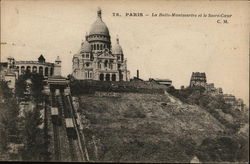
{"type": "Point", "coordinates": [55, 131]}
{"type": "Point", "coordinates": [64, 117]}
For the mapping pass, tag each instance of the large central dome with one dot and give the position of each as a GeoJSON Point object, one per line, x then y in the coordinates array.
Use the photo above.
{"type": "Point", "coordinates": [99, 27]}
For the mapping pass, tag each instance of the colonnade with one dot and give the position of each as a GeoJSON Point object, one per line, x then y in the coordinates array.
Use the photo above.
{"type": "Point", "coordinates": [44, 70]}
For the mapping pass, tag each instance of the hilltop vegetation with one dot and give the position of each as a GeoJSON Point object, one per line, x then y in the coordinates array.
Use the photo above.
{"type": "Point", "coordinates": [79, 87]}
{"type": "Point", "coordinates": [215, 105]}
{"type": "Point", "coordinates": [155, 127]}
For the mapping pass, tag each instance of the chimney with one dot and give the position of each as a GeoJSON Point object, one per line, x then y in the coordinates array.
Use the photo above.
{"type": "Point", "coordinates": [137, 74]}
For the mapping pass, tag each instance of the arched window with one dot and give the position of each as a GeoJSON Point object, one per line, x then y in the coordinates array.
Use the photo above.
{"type": "Point", "coordinates": [101, 77]}
{"type": "Point", "coordinates": [51, 71]}
{"type": "Point", "coordinates": [40, 70]}
{"type": "Point", "coordinates": [34, 69]}
{"type": "Point", "coordinates": [106, 63]}
{"type": "Point", "coordinates": [22, 69]}
{"type": "Point", "coordinates": [113, 77]}
{"type": "Point", "coordinates": [94, 46]}
{"type": "Point", "coordinates": [28, 68]}
{"type": "Point", "coordinates": [120, 76]}
{"type": "Point", "coordinates": [86, 75]}
{"type": "Point", "coordinates": [97, 46]}
{"type": "Point", "coordinates": [107, 77]}
{"type": "Point", "coordinates": [46, 71]}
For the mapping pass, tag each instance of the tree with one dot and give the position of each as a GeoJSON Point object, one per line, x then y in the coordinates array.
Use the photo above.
{"type": "Point", "coordinates": [9, 120]}
{"type": "Point", "coordinates": [36, 86]}
{"type": "Point", "coordinates": [5, 91]}
{"type": "Point", "coordinates": [33, 136]}
{"type": "Point", "coordinates": [226, 149]}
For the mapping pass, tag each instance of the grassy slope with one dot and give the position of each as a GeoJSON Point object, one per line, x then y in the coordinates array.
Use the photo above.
{"type": "Point", "coordinates": [145, 127]}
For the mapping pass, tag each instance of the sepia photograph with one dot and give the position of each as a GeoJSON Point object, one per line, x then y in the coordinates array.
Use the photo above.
{"type": "Point", "coordinates": [124, 81]}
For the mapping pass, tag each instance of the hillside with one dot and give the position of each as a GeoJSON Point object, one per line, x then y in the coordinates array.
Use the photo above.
{"type": "Point", "coordinates": [145, 127]}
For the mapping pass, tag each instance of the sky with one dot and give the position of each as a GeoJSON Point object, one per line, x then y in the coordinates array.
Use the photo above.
{"type": "Point", "coordinates": [159, 47]}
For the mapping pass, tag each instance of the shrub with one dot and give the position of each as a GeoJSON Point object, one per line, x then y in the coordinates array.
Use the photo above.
{"type": "Point", "coordinates": [134, 113]}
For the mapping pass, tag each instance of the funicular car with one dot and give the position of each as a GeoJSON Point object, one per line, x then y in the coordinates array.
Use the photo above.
{"type": "Point", "coordinates": [71, 132]}
{"type": "Point", "coordinates": [55, 116]}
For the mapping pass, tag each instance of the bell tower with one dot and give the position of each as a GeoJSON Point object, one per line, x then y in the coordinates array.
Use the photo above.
{"type": "Point", "coordinates": [57, 67]}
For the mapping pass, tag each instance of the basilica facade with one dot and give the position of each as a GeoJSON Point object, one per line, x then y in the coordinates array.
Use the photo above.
{"type": "Point", "coordinates": [97, 59]}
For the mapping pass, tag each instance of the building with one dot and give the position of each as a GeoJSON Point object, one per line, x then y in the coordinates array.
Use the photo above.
{"type": "Point", "coordinates": [165, 82]}
{"type": "Point", "coordinates": [3, 69]}
{"type": "Point", "coordinates": [19, 67]}
{"type": "Point", "coordinates": [229, 99]}
{"type": "Point", "coordinates": [40, 66]}
{"type": "Point", "coordinates": [97, 59]}
{"type": "Point", "coordinates": [9, 73]}
{"type": "Point", "coordinates": [137, 78]}
{"type": "Point", "coordinates": [239, 104]}
{"type": "Point", "coordinates": [198, 79]}
{"type": "Point", "coordinates": [12, 69]}
{"type": "Point", "coordinates": [56, 81]}
{"type": "Point", "coordinates": [210, 88]}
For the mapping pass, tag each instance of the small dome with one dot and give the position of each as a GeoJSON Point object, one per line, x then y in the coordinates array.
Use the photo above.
{"type": "Point", "coordinates": [99, 27]}
{"type": "Point", "coordinates": [86, 47]}
{"type": "Point", "coordinates": [117, 49]}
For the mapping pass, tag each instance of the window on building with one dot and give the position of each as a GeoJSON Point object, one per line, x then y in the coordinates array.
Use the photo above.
{"type": "Point", "coordinates": [40, 70]}
{"type": "Point", "coordinates": [87, 55]}
{"type": "Point", "coordinates": [34, 69]}
{"type": "Point", "coordinates": [46, 71]}
{"type": "Point", "coordinates": [86, 74]}
{"type": "Point", "coordinates": [94, 46]}
{"type": "Point", "coordinates": [101, 46]}
{"type": "Point", "coordinates": [106, 63]}
{"type": "Point", "coordinates": [28, 68]}
{"type": "Point", "coordinates": [97, 46]}
{"type": "Point", "coordinates": [51, 71]}
{"type": "Point", "coordinates": [101, 77]}
{"type": "Point", "coordinates": [22, 69]}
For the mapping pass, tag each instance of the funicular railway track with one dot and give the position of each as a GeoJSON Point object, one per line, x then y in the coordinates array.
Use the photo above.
{"type": "Point", "coordinates": [65, 119]}
{"type": "Point", "coordinates": [55, 129]}
{"type": "Point", "coordinates": [67, 115]}
{"type": "Point", "coordinates": [78, 141]}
